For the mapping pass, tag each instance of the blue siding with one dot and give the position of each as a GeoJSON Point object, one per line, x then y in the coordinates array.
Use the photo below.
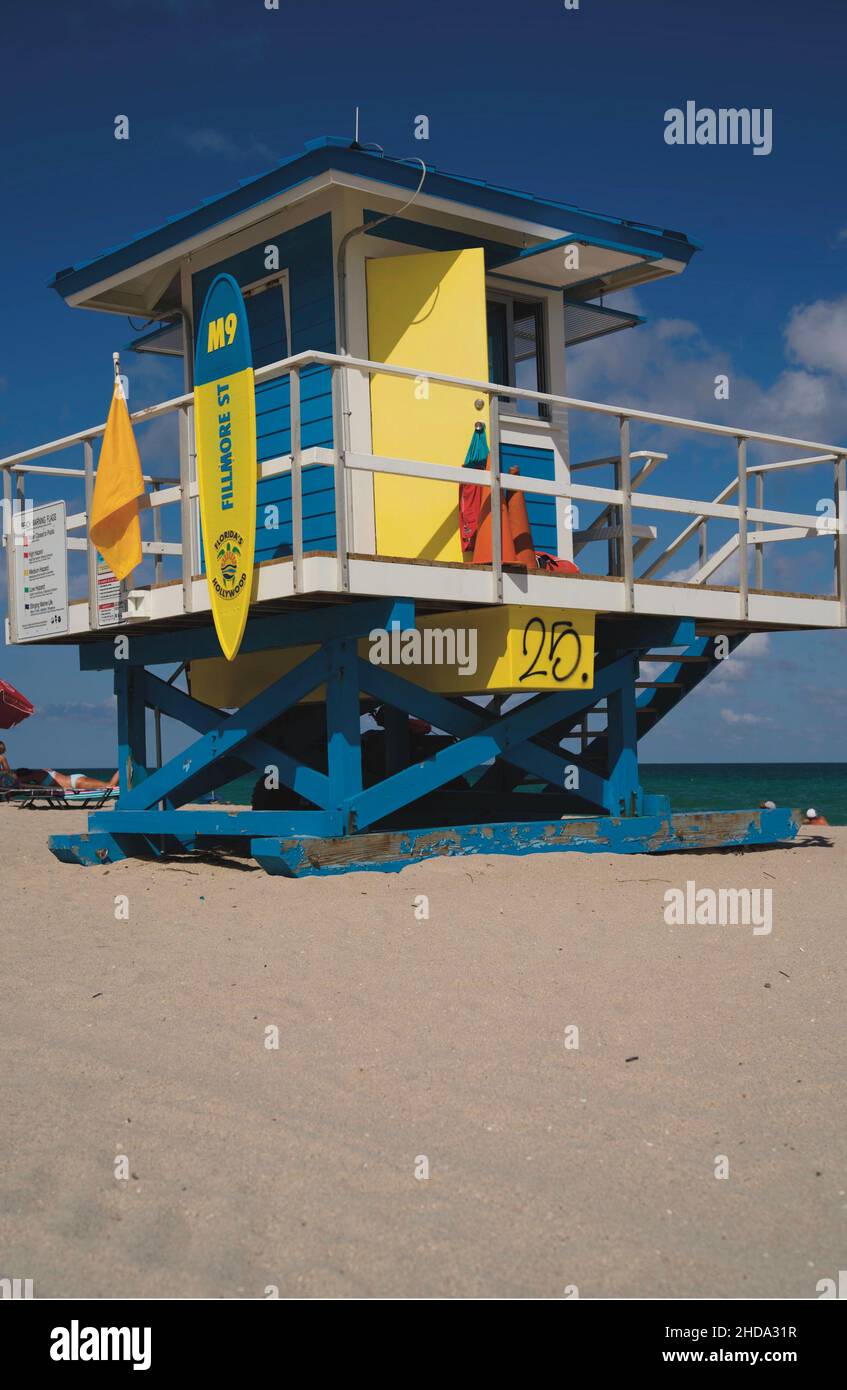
{"type": "Point", "coordinates": [306, 253]}
{"type": "Point", "coordinates": [437, 238]}
{"type": "Point", "coordinates": [534, 463]}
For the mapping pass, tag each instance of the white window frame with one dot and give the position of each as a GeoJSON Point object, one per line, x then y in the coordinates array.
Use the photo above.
{"type": "Point", "coordinates": [276, 277]}
{"type": "Point", "coordinates": [508, 298]}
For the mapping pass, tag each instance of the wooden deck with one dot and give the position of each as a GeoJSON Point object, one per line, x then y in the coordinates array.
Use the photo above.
{"type": "Point", "coordinates": [446, 586]}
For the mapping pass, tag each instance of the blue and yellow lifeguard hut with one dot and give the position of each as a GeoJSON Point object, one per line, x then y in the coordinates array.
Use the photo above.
{"type": "Point", "coordinates": [407, 325]}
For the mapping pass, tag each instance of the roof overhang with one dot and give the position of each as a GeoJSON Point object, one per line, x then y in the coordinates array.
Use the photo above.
{"type": "Point", "coordinates": [596, 266]}
{"type": "Point", "coordinates": [142, 277]}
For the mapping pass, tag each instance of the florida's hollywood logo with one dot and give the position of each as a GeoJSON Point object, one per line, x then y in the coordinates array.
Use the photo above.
{"type": "Point", "coordinates": [228, 554]}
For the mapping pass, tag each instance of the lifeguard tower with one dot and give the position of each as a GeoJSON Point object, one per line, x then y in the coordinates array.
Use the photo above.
{"type": "Point", "coordinates": [393, 309]}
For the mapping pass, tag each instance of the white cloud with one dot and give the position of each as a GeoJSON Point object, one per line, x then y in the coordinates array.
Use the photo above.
{"type": "Point", "coordinates": [209, 140]}
{"type": "Point", "coordinates": [670, 368]}
{"type": "Point", "coordinates": [731, 716]}
{"type": "Point", "coordinates": [741, 665]}
{"type": "Point", "coordinates": [90, 713]}
{"type": "Point", "coordinates": [677, 330]}
{"type": "Point", "coordinates": [816, 335]}
{"type": "Point", "coordinates": [681, 576]}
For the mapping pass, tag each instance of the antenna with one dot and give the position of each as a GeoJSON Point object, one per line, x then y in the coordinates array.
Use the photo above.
{"type": "Point", "coordinates": [355, 145]}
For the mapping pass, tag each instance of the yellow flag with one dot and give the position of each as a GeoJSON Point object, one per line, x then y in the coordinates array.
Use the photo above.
{"type": "Point", "coordinates": [114, 526]}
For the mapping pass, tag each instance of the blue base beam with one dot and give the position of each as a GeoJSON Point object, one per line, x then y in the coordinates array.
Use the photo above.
{"type": "Point", "coordinates": [295, 853]}
{"type": "Point", "coordinates": [220, 823]}
{"type": "Point", "coordinates": [391, 851]}
{"type": "Point", "coordinates": [88, 850]}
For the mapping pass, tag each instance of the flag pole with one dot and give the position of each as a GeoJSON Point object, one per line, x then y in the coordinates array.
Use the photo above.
{"type": "Point", "coordinates": [123, 587]}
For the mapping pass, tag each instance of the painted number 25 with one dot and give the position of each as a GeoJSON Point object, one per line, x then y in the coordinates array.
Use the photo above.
{"type": "Point", "coordinates": [555, 648]}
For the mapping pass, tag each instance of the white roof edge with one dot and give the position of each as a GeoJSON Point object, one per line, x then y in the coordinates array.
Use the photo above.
{"type": "Point", "coordinates": [302, 192]}
{"type": "Point", "coordinates": [292, 196]}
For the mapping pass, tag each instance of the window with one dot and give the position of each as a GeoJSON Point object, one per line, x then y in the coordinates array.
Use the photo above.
{"type": "Point", "coordinates": [268, 317]}
{"type": "Point", "coordinates": [516, 349]}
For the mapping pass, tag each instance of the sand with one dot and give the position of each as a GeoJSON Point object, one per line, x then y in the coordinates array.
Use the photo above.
{"type": "Point", "coordinates": [255, 1169]}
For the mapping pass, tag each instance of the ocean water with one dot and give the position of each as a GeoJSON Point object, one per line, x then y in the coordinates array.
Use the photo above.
{"type": "Point", "coordinates": [713, 786]}
{"type": "Point", "coordinates": [737, 786]}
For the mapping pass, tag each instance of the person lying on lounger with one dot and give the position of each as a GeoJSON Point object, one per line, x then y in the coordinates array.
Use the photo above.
{"type": "Point", "coordinates": [71, 782]}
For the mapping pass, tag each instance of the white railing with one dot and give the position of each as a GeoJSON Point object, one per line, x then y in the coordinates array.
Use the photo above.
{"type": "Point", "coordinates": [615, 522]}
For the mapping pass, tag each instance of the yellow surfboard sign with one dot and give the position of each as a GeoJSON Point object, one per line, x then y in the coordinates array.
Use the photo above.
{"type": "Point", "coordinates": [225, 431]}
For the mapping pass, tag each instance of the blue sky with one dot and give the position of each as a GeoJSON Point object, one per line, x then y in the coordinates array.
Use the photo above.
{"type": "Point", "coordinates": [568, 104]}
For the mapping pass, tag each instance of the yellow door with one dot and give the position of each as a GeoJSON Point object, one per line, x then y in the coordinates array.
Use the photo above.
{"type": "Point", "coordinates": [426, 312]}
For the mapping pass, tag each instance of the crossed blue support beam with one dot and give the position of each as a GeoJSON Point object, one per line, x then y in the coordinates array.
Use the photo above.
{"type": "Point", "coordinates": [153, 807]}
{"type": "Point", "coordinates": [254, 752]}
{"type": "Point", "coordinates": [228, 743]}
{"type": "Point", "coordinates": [132, 732]}
{"type": "Point", "coordinates": [149, 804]}
{"type": "Point", "coordinates": [481, 738]}
{"type": "Point", "coordinates": [624, 790]}
{"type": "Point", "coordinates": [343, 725]}
{"type": "Point", "coordinates": [184, 775]}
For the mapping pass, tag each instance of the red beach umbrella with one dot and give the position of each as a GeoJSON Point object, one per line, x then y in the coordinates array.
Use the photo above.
{"type": "Point", "coordinates": [14, 707]}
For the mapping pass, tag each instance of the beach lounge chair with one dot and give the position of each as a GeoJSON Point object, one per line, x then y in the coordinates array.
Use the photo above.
{"type": "Point", "coordinates": [60, 798]}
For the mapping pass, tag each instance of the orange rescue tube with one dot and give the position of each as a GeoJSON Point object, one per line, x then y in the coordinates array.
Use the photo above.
{"type": "Point", "coordinates": [520, 528]}
{"type": "Point", "coordinates": [482, 548]}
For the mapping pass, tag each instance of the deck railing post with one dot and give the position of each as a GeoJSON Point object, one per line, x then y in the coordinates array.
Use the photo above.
{"type": "Point", "coordinates": [9, 540]}
{"type": "Point", "coordinates": [196, 538]}
{"type": "Point", "coordinates": [157, 579]}
{"type": "Point", "coordinates": [93, 608]}
{"type": "Point", "coordinates": [185, 507]}
{"type": "Point", "coordinates": [496, 495]}
{"type": "Point", "coordinates": [296, 480]}
{"type": "Point", "coordinates": [340, 481]}
{"type": "Point", "coordinates": [19, 510]}
{"type": "Point", "coordinates": [743, 573]}
{"type": "Point", "coordinates": [841, 535]}
{"type": "Point", "coordinates": [157, 536]}
{"type": "Point", "coordinates": [564, 506]}
{"type": "Point", "coordinates": [759, 561]}
{"type": "Point", "coordinates": [626, 515]}
{"type": "Point", "coordinates": [613, 545]}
